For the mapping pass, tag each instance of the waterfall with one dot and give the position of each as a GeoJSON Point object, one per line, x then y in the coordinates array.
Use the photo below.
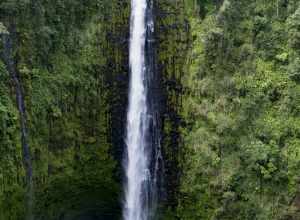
{"type": "Point", "coordinates": [11, 67]}
{"type": "Point", "coordinates": [143, 157]}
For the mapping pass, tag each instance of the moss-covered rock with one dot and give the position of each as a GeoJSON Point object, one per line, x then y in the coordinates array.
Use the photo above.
{"type": "Point", "coordinates": [71, 58]}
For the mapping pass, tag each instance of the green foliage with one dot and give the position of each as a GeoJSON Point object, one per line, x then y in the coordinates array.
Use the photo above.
{"type": "Point", "coordinates": [11, 170]}
{"type": "Point", "coordinates": [236, 107]}
{"type": "Point", "coordinates": [293, 24]}
{"type": "Point", "coordinates": [171, 30]}
{"type": "Point", "coordinates": [3, 29]}
{"type": "Point", "coordinates": [293, 28]}
{"type": "Point", "coordinates": [242, 133]}
{"type": "Point", "coordinates": [62, 50]}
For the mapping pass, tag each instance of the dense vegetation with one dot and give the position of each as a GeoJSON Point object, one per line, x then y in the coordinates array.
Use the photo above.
{"type": "Point", "coordinates": [65, 59]}
{"type": "Point", "coordinates": [241, 143]}
{"type": "Point", "coordinates": [229, 95]}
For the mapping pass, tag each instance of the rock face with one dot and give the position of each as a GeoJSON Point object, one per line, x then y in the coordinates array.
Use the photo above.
{"type": "Point", "coordinates": [73, 70]}
{"type": "Point", "coordinates": [72, 61]}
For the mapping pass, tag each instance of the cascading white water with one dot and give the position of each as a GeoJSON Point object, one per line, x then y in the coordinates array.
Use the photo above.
{"type": "Point", "coordinates": [138, 162]}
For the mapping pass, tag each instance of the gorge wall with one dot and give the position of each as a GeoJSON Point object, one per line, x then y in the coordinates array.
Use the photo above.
{"type": "Point", "coordinates": [228, 99]}
{"type": "Point", "coordinates": [71, 59]}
